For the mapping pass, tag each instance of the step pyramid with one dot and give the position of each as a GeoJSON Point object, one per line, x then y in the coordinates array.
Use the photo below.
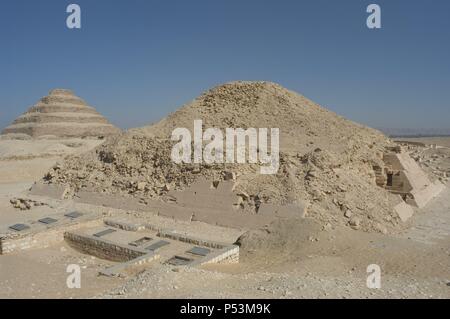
{"type": "Point", "coordinates": [62, 114]}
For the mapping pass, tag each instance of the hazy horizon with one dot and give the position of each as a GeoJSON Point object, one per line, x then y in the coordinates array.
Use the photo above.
{"type": "Point", "coordinates": [137, 61]}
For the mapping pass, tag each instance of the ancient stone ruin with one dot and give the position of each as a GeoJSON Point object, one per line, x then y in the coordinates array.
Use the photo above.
{"type": "Point", "coordinates": [403, 176]}
{"type": "Point", "coordinates": [61, 114]}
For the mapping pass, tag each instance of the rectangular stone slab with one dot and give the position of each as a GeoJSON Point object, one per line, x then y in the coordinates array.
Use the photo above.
{"type": "Point", "coordinates": [140, 241]}
{"type": "Point", "coordinates": [47, 220]}
{"type": "Point", "coordinates": [19, 227]}
{"type": "Point", "coordinates": [73, 215]}
{"type": "Point", "coordinates": [157, 245]}
{"type": "Point", "coordinates": [104, 232]}
{"type": "Point", "coordinates": [199, 251]}
{"type": "Point", "coordinates": [179, 261]}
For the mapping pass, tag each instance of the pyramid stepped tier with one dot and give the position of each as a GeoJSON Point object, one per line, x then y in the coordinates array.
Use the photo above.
{"type": "Point", "coordinates": [58, 117]}
{"type": "Point", "coordinates": [62, 114]}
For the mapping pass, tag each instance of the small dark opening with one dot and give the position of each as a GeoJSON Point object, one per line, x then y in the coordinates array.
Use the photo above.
{"type": "Point", "coordinates": [389, 179]}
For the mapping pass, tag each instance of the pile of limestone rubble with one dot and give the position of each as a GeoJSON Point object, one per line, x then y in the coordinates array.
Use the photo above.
{"type": "Point", "coordinates": [326, 161]}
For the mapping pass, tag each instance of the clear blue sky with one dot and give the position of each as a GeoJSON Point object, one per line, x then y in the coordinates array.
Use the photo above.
{"type": "Point", "coordinates": [138, 60]}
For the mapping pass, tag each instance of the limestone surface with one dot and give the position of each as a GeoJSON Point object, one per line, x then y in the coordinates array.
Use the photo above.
{"type": "Point", "coordinates": [61, 114]}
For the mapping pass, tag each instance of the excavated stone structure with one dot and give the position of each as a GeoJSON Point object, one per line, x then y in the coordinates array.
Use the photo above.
{"type": "Point", "coordinates": [61, 114]}
{"type": "Point", "coordinates": [403, 176]}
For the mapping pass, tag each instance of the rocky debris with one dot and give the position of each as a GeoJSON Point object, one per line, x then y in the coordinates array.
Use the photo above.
{"type": "Point", "coordinates": [325, 160]}
{"type": "Point", "coordinates": [141, 186]}
{"type": "Point", "coordinates": [61, 114]}
{"type": "Point", "coordinates": [348, 213]}
{"type": "Point", "coordinates": [381, 229]}
{"type": "Point", "coordinates": [355, 223]}
{"type": "Point", "coordinates": [25, 204]}
{"type": "Point", "coordinates": [432, 159]}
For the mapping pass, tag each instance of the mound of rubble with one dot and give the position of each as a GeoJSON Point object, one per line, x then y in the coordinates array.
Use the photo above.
{"type": "Point", "coordinates": [25, 204]}
{"type": "Point", "coordinates": [326, 162]}
{"type": "Point", "coordinates": [60, 114]}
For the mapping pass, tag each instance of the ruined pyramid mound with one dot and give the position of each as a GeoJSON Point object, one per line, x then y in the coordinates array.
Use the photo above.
{"type": "Point", "coordinates": [304, 125]}
{"type": "Point", "coordinates": [61, 114]}
{"type": "Point", "coordinates": [326, 162]}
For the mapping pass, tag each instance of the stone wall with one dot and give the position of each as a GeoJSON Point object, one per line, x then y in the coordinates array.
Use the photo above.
{"type": "Point", "coordinates": [102, 248]}
{"type": "Point", "coordinates": [42, 238]}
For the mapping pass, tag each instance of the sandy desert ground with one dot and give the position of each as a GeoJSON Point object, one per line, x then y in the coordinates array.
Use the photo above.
{"type": "Point", "coordinates": [321, 262]}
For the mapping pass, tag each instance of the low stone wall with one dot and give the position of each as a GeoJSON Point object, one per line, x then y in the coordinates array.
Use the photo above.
{"type": "Point", "coordinates": [226, 255]}
{"type": "Point", "coordinates": [124, 225]}
{"type": "Point", "coordinates": [191, 240]}
{"type": "Point", "coordinates": [129, 256]}
{"type": "Point", "coordinates": [102, 248]}
{"type": "Point", "coordinates": [42, 238]}
{"type": "Point", "coordinates": [116, 270]}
